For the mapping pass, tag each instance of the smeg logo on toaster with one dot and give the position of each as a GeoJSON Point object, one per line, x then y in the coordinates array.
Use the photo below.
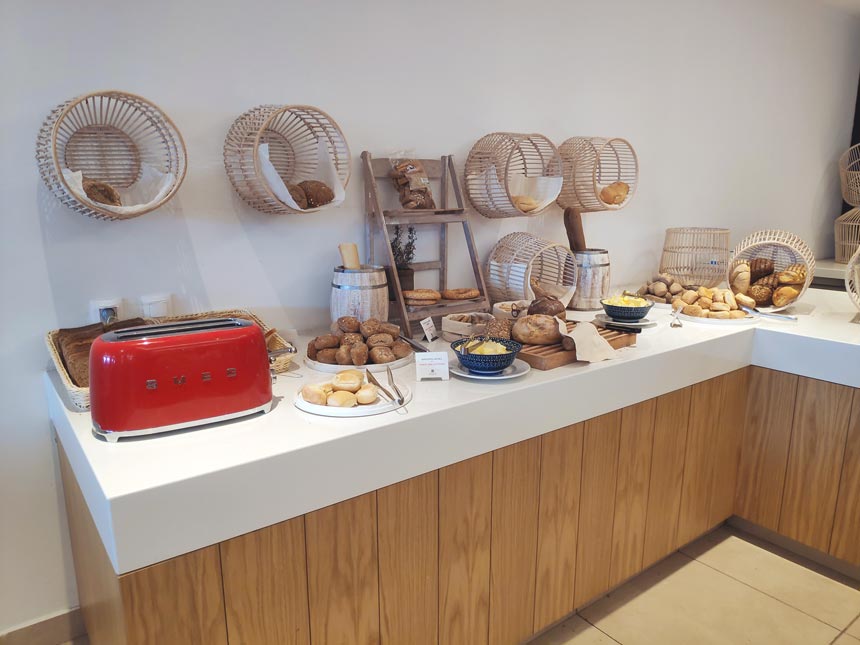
{"type": "Point", "coordinates": [182, 379]}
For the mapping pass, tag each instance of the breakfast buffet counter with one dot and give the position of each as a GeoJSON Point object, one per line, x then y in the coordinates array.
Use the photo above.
{"type": "Point", "coordinates": [155, 498]}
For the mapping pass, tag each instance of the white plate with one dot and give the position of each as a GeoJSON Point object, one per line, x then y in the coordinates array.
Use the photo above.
{"type": "Point", "coordinates": [334, 369]}
{"type": "Point", "coordinates": [382, 406]}
{"type": "Point", "coordinates": [641, 324]}
{"type": "Point", "coordinates": [517, 369]}
{"type": "Point", "coordinates": [749, 320]}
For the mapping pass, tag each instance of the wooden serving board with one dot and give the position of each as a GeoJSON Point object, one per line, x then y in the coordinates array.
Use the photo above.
{"type": "Point", "coordinates": [548, 357]}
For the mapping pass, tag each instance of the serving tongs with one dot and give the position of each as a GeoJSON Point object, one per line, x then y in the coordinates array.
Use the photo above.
{"type": "Point", "coordinates": [764, 314]}
{"type": "Point", "coordinates": [397, 400]}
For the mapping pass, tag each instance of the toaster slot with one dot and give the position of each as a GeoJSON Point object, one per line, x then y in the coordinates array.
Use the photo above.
{"type": "Point", "coordinates": [173, 329]}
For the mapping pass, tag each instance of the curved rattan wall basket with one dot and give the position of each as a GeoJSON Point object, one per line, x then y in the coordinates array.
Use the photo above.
{"type": "Point", "coordinates": [591, 164]}
{"type": "Point", "coordinates": [111, 137]}
{"type": "Point", "coordinates": [519, 257]}
{"type": "Point", "coordinates": [292, 133]}
{"type": "Point", "coordinates": [504, 166]}
{"type": "Point", "coordinates": [696, 256]}
{"type": "Point", "coordinates": [849, 175]}
{"type": "Point", "coordinates": [852, 278]}
{"type": "Point", "coordinates": [783, 248]}
{"type": "Point", "coordinates": [847, 235]}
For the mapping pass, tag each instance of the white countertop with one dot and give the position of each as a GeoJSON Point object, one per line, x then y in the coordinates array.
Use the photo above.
{"type": "Point", "coordinates": [157, 497]}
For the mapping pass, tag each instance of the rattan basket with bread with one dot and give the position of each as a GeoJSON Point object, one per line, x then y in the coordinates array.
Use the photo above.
{"type": "Point", "coordinates": [785, 250]}
{"type": "Point", "coordinates": [117, 141]}
{"type": "Point", "coordinates": [849, 175]}
{"type": "Point", "coordinates": [599, 174]}
{"type": "Point", "coordinates": [852, 278]}
{"type": "Point", "coordinates": [296, 137]}
{"type": "Point", "coordinates": [519, 258]}
{"type": "Point", "coordinates": [696, 256]}
{"type": "Point", "coordinates": [80, 396]}
{"type": "Point", "coordinates": [513, 175]}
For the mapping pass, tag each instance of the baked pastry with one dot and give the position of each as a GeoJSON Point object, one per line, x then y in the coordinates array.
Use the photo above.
{"type": "Point", "coordinates": [341, 399]}
{"type": "Point", "coordinates": [737, 314]}
{"type": "Point", "coordinates": [317, 193]}
{"type": "Point", "coordinates": [401, 349]}
{"type": "Point", "coordinates": [762, 295]}
{"type": "Point", "coordinates": [693, 310]}
{"type": "Point", "coordinates": [380, 340]}
{"type": "Point", "coordinates": [328, 355]}
{"type": "Point", "coordinates": [382, 354]}
{"type": "Point", "coordinates": [460, 294]}
{"type": "Point", "coordinates": [343, 356]}
{"type": "Point", "coordinates": [740, 279]}
{"type": "Point", "coordinates": [795, 274]}
{"type": "Point", "coordinates": [770, 280]}
{"type": "Point", "coordinates": [101, 192]}
{"type": "Point", "coordinates": [689, 296]}
{"type": "Point", "coordinates": [536, 329]}
{"type": "Point", "coordinates": [298, 196]}
{"type": "Point", "coordinates": [500, 328]}
{"type": "Point", "coordinates": [421, 294]}
{"type": "Point", "coordinates": [704, 302]}
{"type": "Point", "coordinates": [348, 324]}
{"type": "Point", "coordinates": [785, 295]}
{"type": "Point", "coordinates": [615, 193]}
{"type": "Point", "coordinates": [314, 394]}
{"type": "Point", "coordinates": [359, 353]}
{"type": "Point", "coordinates": [720, 306]}
{"type": "Point", "coordinates": [720, 315]}
{"type": "Point", "coordinates": [525, 203]}
{"type": "Point", "coordinates": [730, 299]}
{"type": "Point", "coordinates": [351, 338]}
{"type": "Point", "coordinates": [421, 303]}
{"type": "Point", "coordinates": [367, 394]}
{"type": "Point", "coordinates": [745, 300]}
{"type": "Point", "coordinates": [549, 305]}
{"type": "Point", "coordinates": [348, 380]}
{"type": "Point", "coordinates": [326, 341]}
{"type": "Point", "coordinates": [759, 268]}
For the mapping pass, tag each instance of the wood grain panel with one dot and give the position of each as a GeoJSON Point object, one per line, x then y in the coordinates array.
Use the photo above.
{"type": "Point", "coordinates": [98, 586]}
{"type": "Point", "coordinates": [516, 482]}
{"type": "Point", "coordinates": [764, 448]}
{"type": "Point", "coordinates": [343, 582]}
{"type": "Point", "coordinates": [176, 601]}
{"type": "Point", "coordinates": [597, 506]}
{"type": "Point", "coordinates": [699, 460]}
{"type": "Point", "coordinates": [560, 471]}
{"type": "Point", "coordinates": [266, 586]}
{"type": "Point", "coordinates": [821, 416]}
{"type": "Point", "coordinates": [667, 475]}
{"type": "Point", "coordinates": [631, 490]}
{"type": "Point", "coordinates": [727, 446]}
{"type": "Point", "coordinates": [845, 542]}
{"type": "Point", "coordinates": [408, 531]}
{"type": "Point", "coordinates": [465, 502]}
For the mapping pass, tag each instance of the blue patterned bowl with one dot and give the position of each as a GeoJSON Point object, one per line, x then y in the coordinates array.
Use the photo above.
{"type": "Point", "coordinates": [626, 314]}
{"type": "Point", "coordinates": [489, 363]}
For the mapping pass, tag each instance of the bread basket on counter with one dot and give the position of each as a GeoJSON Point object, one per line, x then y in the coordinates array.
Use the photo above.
{"type": "Point", "coordinates": [519, 258]}
{"type": "Point", "coordinates": [80, 396]}
{"type": "Point", "coordinates": [852, 278]}
{"type": "Point", "coordinates": [783, 248]}
{"type": "Point", "coordinates": [696, 256]}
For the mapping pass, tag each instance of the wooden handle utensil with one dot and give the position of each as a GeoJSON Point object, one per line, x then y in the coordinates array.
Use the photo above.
{"type": "Point", "coordinates": [349, 255]}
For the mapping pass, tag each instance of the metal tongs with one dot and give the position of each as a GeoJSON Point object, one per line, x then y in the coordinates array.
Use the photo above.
{"type": "Point", "coordinates": [397, 400]}
{"type": "Point", "coordinates": [764, 314]}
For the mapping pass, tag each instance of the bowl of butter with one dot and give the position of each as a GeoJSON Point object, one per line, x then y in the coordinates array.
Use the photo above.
{"type": "Point", "coordinates": [626, 308]}
{"type": "Point", "coordinates": [486, 354]}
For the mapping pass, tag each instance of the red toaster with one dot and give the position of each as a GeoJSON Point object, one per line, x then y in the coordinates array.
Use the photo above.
{"type": "Point", "coordinates": [165, 377]}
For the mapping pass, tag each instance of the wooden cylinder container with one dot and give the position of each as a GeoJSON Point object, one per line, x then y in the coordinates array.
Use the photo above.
{"type": "Point", "coordinates": [592, 279]}
{"type": "Point", "coordinates": [362, 293]}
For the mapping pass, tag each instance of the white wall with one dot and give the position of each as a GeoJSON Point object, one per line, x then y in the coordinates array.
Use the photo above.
{"type": "Point", "coordinates": [738, 111]}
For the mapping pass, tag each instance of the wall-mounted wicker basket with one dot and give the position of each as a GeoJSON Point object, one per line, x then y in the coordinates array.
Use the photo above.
{"type": "Point", "coordinates": [111, 137]}
{"type": "Point", "coordinates": [852, 278]}
{"type": "Point", "coordinates": [783, 248]}
{"type": "Point", "coordinates": [849, 175]}
{"type": "Point", "coordinates": [847, 230]}
{"type": "Point", "coordinates": [520, 257]}
{"type": "Point", "coordinates": [292, 133]}
{"type": "Point", "coordinates": [591, 164]}
{"type": "Point", "coordinates": [696, 256]}
{"type": "Point", "coordinates": [504, 166]}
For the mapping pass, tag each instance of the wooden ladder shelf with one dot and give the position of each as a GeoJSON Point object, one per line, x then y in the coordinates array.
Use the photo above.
{"type": "Point", "coordinates": [379, 220]}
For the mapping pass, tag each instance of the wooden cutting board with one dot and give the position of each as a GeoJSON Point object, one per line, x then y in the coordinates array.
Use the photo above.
{"type": "Point", "coordinates": [548, 357]}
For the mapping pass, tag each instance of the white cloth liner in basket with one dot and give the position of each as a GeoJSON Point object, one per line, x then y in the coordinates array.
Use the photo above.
{"type": "Point", "coordinates": [544, 190]}
{"type": "Point", "coordinates": [152, 186]}
{"type": "Point", "coordinates": [327, 175]}
{"type": "Point", "coordinates": [519, 269]}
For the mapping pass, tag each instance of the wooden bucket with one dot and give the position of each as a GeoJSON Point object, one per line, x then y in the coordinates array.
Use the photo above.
{"type": "Point", "coordinates": [592, 279]}
{"type": "Point", "coordinates": [362, 293]}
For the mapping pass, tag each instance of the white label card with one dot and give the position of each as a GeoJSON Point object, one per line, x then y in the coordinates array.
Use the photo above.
{"type": "Point", "coordinates": [431, 365]}
{"type": "Point", "coordinates": [429, 328]}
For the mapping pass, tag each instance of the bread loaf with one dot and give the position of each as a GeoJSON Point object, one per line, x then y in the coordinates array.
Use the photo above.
{"type": "Point", "coordinates": [759, 268]}
{"type": "Point", "coordinates": [536, 329]}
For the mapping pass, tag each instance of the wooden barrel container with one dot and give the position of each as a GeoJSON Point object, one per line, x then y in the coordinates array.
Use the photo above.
{"type": "Point", "coordinates": [362, 293]}
{"type": "Point", "coordinates": [592, 279]}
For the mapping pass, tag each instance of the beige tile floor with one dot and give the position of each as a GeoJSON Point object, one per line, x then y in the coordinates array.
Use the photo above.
{"type": "Point", "coordinates": [727, 588]}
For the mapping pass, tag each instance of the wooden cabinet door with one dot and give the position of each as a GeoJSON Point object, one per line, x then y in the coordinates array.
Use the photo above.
{"type": "Point", "coordinates": [266, 586]}
{"type": "Point", "coordinates": [560, 470]}
{"type": "Point", "coordinates": [845, 542]}
{"type": "Point", "coordinates": [764, 448]}
{"type": "Point", "coordinates": [408, 530]}
{"type": "Point", "coordinates": [597, 506]}
{"type": "Point", "coordinates": [465, 499]}
{"type": "Point", "coordinates": [667, 475]}
{"type": "Point", "coordinates": [820, 427]}
{"type": "Point", "coordinates": [343, 582]}
{"type": "Point", "coordinates": [516, 481]}
{"type": "Point", "coordinates": [631, 490]}
{"type": "Point", "coordinates": [727, 444]}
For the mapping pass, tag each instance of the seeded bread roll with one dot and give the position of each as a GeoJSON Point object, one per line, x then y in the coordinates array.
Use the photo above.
{"type": "Point", "coordinates": [370, 327]}
{"type": "Point", "coordinates": [350, 338]}
{"type": "Point", "coordinates": [500, 328]}
{"type": "Point", "coordinates": [389, 328]}
{"type": "Point", "coordinates": [359, 353]}
{"type": "Point", "coordinates": [382, 354]}
{"type": "Point", "coordinates": [762, 295]}
{"type": "Point", "coordinates": [327, 341]}
{"type": "Point", "coordinates": [401, 349]}
{"type": "Point", "coordinates": [328, 355]}
{"type": "Point", "coordinates": [312, 351]}
{"type": "Point", "coordinates": [380, 340]}
{"type": "Point", "coordinates": [348, 324]}
{"type": "Point", "coordinates": [343, 356]}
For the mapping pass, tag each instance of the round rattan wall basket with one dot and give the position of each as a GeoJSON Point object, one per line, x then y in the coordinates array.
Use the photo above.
{"type": "Point", "coordinates": [518, 258]}
{"type": "Point", "coordinates": [696, 256]}
{"type": "Point", "coordinates": [847, 235]}
{"type": "Point", "coordinates": [112, 137]}
{"type": "Point", "coordinates": [852, 278]}
{"type": "Point", "coordinates": [591, 166]}
{"type": "Point", "coordinates": [783, 248]}
{"type": "Point", "coordinates": [513, 175]}
{"type": "Point", "coordinates": [293, 134]}
{"type": "Point", "coordinates": [849, 175]}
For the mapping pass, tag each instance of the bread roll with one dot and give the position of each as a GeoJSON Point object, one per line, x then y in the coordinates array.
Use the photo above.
{"type": "Point", "coordinates": [720, 306]}
{"type": "Point", "coordinates": [347, 381]}
{"type": "Point", "coordinates": [348, 324]}
{"type": "Point", "coordinates": [771, 281]}
{"type": "Point", "coordinates": [341, 399]}
{"type": "Point", "coordinates": [370, 327]}
{"type": "Point", "coordinates": [762, 295]}
{"type": "Point", "coordinates": [359, 353]}
{"type": "Point", "coordinates": [737, 314]}
{"type": "Point", "coordinates": [382, 354]}
{"type": "Point", "coordinates": [537, 329]}
{"type": "Point", "coordinates": [730, 299]}
{"type": "Point", "coordinates": [380, 340]}
{"type": "Point", "coordinates": [326, 341]}
{"type": "Point", "coordinates": [401, 349]}
{"type": "Point", "coordinates": [745, 300]}
{"type": "Point", "coordinates": [351, 338]}
{"type": "Point", "coordinates": [740, 278]}
{"type": "Point", "coordinates": [759, 268]}
{"type": "Point", "coordinates": [720, 315]}
{"type": "Point", "coordinates": [314, 394]}
{"type": "Point", "coordinates": [367, 394]}
{"type": "Point", "coordinates": [389, 328]}
{"type": "Point", "coordinates": [693, 310]}
{"type": "Point", "coordinates": [343, 357]}
{"type": "Point", "coordinates": [328, 355]}
{"type": "Point", "coordinates": [785, 295]}
{"type": "Point", "coordinates": [689, 296]}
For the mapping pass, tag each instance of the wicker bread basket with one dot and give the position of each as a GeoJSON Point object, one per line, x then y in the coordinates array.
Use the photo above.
{"type": "Point", "coordinates": [696, 256]}
{"type": "Point", "coordinates": [852, 279]}
{"type": "Point", "coordinates": [80, 396]}
{"type": "Point", "coordinates": [847, 235]}
{"type": "Point", "coordinates": [783, 248]}
{"type": "Point", "coordinates": [592, 163]}
{"type": "Point", "coordinates": [849, 175]}
{"type": "Point", "coordinates": [520, 257]}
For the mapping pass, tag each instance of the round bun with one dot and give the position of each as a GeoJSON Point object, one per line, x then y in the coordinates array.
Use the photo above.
{"type": "Point", "coordinates": [314, 394]}
{"type": "Point", "coordinates": [367, 394]}
{"type": "Point", "coordinates": [317, 193]}
{"type": "Point", "coordinates": [342, 399]}
{"type": "Point", "coordinates": [298, 196]}
{"type": "Point", "coordinates": [347, 381]}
